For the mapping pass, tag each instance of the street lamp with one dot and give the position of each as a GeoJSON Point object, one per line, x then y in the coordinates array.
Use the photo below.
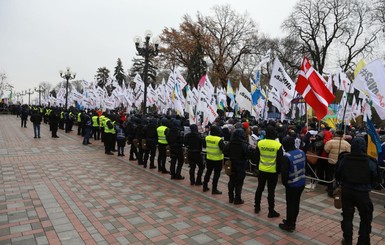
{"type": "Point", "coordinates": [22, 93]}
{"type": "Point", "coordinates": [40, 90]}
{"type": "Point", "coordinates": [147, 51]}
{"type": "Point", "coordinates": [29, 92]}
{"type": "Point", "coordinates": [67, 75]}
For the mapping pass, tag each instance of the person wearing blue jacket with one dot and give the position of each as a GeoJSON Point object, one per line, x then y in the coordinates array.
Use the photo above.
{"type": "Point", "coordinates": [294, 179]}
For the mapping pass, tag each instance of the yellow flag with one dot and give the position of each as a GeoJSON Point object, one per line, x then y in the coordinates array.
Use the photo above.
{"type": "Point", "coordinates": [361, 64]}
{"type": "Point", "coordinates": [372, 149]}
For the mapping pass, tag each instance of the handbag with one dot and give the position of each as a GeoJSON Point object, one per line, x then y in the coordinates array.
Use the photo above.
{"type": "Point", "coordinates": [337, 198]}
{"type": "Point", "coordinates": [135, 142]}
{"type": "Point", "coordinates": [227, 167]}
{"type": "Point", "coordinates": [144, 144]}
{"type": "Point", "coordinates": [311, 157]}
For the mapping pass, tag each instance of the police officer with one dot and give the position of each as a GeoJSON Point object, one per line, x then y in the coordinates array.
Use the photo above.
{"type": "Point", "coordinates": [269, 155]}
{"type": "Point", "coordinates": [151, 136]}
{"type": "Point", "coordinates": [357, 174]}
{"type": "Point", "coordinates": [162, 130]}
{"type": "Point", "coordinates": [238, 152]}
{"type": "Point", "coordinates": [294, 180]}
{"type": "Point", "coordinates": [95, 125]}
{"type": "Point", "coordinates": [175, 141]}
{"type": "Point", "coordinates": [214, 158]}
{"type": "Point", "coordinates": [194, 143]}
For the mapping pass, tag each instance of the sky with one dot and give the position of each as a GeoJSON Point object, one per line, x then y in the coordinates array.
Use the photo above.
{"type": "Point", "coordinates": [38, 38]}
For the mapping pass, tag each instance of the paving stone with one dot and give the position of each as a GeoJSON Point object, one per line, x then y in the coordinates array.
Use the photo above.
{"type": "Point", "coordinates": [74, 194]}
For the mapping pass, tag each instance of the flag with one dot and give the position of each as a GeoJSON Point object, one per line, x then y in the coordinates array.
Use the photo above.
{"type": "Point", "coordinates": [374, 143]}
{"type": "Point", "coordinates": [361, 64]}
{"type": "Point", "coordinates": [243, 98]}
{"type": "Point", "coordinates": [255, 88]}
{"type": "Point", "coordinates": [230, 93]}
{"type": "Point", "coordinates": [284, 85]}
{"type": "Point", "coordinates": [265, 59]}
{"type": "Point", "coordinates": [313, 89]}
{"type": "Point", "coordinates": [370, 81]}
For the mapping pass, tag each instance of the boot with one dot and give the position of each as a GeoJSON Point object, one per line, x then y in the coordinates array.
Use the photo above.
{"type": "Point", "coordinates": [205, 187]}
{"type": "Point", "coordinates": [231, 197]}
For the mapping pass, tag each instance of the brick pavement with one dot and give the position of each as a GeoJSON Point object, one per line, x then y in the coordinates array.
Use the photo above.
{"type": "Point", "coordinates": [58, 191]}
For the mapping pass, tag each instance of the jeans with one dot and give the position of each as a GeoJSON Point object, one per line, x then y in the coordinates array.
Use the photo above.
{"type": "Point", "coordinates": [36, 130]}
{"type": "Point", "coordinates": [86, 138]}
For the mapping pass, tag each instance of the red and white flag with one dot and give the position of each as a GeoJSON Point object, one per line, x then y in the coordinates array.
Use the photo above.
{"type": "Point", "coordinates": [313, 89]}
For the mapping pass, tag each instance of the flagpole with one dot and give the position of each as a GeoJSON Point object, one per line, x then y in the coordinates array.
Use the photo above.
{"type": "Point", "coordinates": [346, 103]}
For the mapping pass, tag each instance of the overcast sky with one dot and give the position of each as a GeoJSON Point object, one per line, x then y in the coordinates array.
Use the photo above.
{"type": "Point", "coordinates": [38, 38]}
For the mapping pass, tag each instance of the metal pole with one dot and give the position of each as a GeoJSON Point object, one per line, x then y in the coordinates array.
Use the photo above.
{"type": "Point", "coordinates": [67, 78]}
{"type": "Point", "coordinates": [145, 73]}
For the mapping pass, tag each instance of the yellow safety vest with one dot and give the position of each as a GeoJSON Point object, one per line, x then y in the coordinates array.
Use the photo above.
{"type": "Point", "coordinates": [95, 121]}
{"type": "Point", "coordinates": [106, 129]}
{"type": "Point", "coordinates": [79, 117]}
{"type": "Point", "coordinates": [268, 155]}
{"type": "Point", "coordinates": [102, 120]}
{"type": "Point", "coordinates": [213, 151]}
{"type": "Point", "coordinates": [161, 135]}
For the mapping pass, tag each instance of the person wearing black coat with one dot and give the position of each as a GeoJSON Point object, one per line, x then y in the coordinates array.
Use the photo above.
{"type": "Point", "coordinates": [24, 116]}
{"type": "Point", "coordinates": [36, 119]}
{"type": "Point", "coordinates": [238, 152]}
{"type": "Point", "coordinates": [151, 137]}
{"type": "Point", "coordinates": [175, 140]}
{"type": "Point", "coordinates": [357, 173]}
{"type": "Point", "coordinates": [54, 122]}
{"type": "Point", "coordinates": [194, 143]}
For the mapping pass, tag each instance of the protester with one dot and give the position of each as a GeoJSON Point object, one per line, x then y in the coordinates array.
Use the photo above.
{"type": "Point", "coordinates": [333, 148]}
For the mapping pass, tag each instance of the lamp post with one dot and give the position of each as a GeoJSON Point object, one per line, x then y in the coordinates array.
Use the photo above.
{"type": "Point", "coordinates": [40, 90]}
{"type": "Point", "coordinates": [147, 51]}
{"type": "Point", "coordinates": [67, 75]}
{"type": "Point", "coordinates": [22, 93]}
{"type": "Point", "coordinates": [29, 92]}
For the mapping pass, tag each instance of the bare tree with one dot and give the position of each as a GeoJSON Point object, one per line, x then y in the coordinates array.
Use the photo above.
{"type": "Point", "coordinates": [326, 25]}
{"type": "Point", "coordinates": [230, 37]}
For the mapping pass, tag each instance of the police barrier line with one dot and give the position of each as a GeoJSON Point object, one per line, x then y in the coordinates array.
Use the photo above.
{"type": "Point", "coordinates": [312, 168]}
{"type": "Point", "coordinates": [382, 172]}
{"type": "Point", "coordinates": [253, 172]}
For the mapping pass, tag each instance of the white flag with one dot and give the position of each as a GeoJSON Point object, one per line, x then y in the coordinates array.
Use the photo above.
{"type": "Point", "coordinates": [370, 81]}
{"type": "Point", "coordinates": [243, 98]}
{"type": "Point", "coordinates": [284, 85]}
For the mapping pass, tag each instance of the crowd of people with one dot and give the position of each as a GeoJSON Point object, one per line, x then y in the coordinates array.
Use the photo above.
{"type": "Point", "coordinates": [272, 148]}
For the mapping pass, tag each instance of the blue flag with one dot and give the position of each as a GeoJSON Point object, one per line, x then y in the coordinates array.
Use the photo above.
{"type": "Point", "coordinates": [374, 142]}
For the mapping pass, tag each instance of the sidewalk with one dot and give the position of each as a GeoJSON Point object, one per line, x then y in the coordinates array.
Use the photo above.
{"type": "Point", "coordinates": [58, 191]}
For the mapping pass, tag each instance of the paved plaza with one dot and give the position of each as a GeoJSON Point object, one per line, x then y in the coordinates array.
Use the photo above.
{"type": "Point", "coordinates": [58, 191]}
